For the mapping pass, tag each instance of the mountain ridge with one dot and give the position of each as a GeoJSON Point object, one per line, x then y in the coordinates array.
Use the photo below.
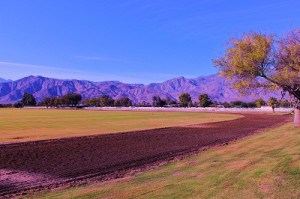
{"type": "Point", "coordinates": [214, 85]}
{"type": "Point", "coordinates": [3, 80]}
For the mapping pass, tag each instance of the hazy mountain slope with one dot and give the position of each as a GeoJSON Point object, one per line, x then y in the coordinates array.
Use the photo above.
{"type": "Point", "coordinates": [3, 80]}
{"type": "Point", "coordinates": [41, 87]}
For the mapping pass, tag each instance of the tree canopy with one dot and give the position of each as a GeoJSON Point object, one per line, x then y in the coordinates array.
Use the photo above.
{"type": "Point", "coordinates": [205, 100]}
{"type": "Point", "coordinates": [28, 100]}
{"type": "Point", "coordinates": [273, 102]}
{"type": "Point", "coordinates": [264, 61]}
{"type": "Point", "coordinates": [156, 101]}
{"type": "Point", "coordinates": [71, 99]}
{"type": "Point", "coordinates": [185, 100]}
{"type": "Point", "coordinates": [260, 102]}
{"type": "Point", "coordinates": [123, 102]}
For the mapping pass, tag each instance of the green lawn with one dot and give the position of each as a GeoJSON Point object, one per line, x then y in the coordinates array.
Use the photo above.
{"type": "Point", "coordinates": [33, 124]}
{"type": "Point", "coordinates": [266, 165]}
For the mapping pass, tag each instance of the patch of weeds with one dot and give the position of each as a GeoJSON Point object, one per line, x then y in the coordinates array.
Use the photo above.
{"type": "Point", "coordinates": [284, 166]}
{"type": "Point", "coordinates": [294, 176]}
{"type": "Point", "coordinates": [241, 184]}
{"type": "Point", "coordinates": [295, 172]}
{"type": "Point", "coordinates": [87, 195]}
{"type": "Point", "coordinates": [274, 153]}
{"type": "Point", "coordinates": [259, 173]}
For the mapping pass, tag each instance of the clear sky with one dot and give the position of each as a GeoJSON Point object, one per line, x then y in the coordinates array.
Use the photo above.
{"type": "Point", "coordinates": [136, 41]}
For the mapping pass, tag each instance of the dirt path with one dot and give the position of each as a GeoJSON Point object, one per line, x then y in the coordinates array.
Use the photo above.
{"type": "Point", "coordinates": [48, 164]}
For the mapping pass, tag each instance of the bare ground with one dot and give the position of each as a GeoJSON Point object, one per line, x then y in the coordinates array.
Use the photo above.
{"type": "Point", "coordinates": [33, 166]}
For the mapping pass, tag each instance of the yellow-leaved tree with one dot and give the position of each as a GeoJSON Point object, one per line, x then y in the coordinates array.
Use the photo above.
{"type": "Point", "coordinates": [265, 61]}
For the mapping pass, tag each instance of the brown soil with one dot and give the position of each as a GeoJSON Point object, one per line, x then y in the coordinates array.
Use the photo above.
{"type": "Point", "coordinates": [31, 166]}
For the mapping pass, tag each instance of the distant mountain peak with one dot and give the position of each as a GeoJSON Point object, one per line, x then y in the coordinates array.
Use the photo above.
{"type": "Point", "coordinates": [213, 85]}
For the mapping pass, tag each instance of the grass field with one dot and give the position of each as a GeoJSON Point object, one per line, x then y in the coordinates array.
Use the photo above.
{"type": "Point", "coordinates": [266, 165]}
{"type": "Point", "coordinates": [33, 124]}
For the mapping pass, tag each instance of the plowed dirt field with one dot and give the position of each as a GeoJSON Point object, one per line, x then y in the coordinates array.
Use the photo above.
{"type": "Point", "coordinates": [31, 166]}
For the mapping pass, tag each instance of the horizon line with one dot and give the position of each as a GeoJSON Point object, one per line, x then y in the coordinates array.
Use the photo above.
{"type": "Point", "coordinates": [70, 79]}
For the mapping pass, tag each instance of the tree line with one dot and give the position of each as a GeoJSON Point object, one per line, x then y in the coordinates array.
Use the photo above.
{"type": "Point", "coordinates": [74, 99]}
{"type": "Point", "coordinates": [184, 100]}
{"type": "Point", "coordinates": [70, 100]}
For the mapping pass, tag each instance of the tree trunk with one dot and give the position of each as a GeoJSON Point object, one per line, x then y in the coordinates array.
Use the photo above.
{"type": "Point", "coordinates": [297, 117]}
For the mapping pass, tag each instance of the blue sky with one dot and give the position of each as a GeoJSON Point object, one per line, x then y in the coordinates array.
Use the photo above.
{"type": "Point", "coordinates": [136, 41]}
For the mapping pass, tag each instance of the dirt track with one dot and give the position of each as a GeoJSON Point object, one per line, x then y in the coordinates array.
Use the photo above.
{"type": "Point", "coordinates": [36, 165]}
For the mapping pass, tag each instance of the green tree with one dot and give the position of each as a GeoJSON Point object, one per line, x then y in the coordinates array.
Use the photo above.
{"type": "Point", "coordinates": [239, 104]}
{"type": "Point", "coordinates": [262, 61]}
{"type": "Point", "coordinates": [284, 103]}
{"type": "Point", "coordinates": [18, 105]}
{"type": "Point", "coordinates": [169, 101]}
{"type": "Point", "coordinates": [71, 99]}
{"type": "Point", "coordinates": [105, 100]}
{"type": "Point", "coordinates": [46, 102]}
{"type": "Point", "coordinates": [156, 101]}
{"type": "Point", "coordinates": [102, 101]}
{"type": "Point", "coordinates": [185, 100]}
{"type": "Point", "coordinates": [260, 102]}
{"type": "Point", "coordinates": [251, 105]}
{"type": "Point", "coordinates": [28, 100]}
{"type": "Point", "coordinates": [273, 102]}
{"type": "Point", "coordinates": [205, 100]}
{"type": "Point", "coordinates": [91, 102]}
{"type": "Point", "coordinates": [226, 105]}
{"type": "Point", "coordinates": [123, 101]}
{"type": "Point", "coordinates": [55, 102]}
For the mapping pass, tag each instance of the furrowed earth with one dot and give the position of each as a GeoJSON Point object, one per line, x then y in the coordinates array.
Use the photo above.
{"type": "Point", "coordinates": [39, 165]}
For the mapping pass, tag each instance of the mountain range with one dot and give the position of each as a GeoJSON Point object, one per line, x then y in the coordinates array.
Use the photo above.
{"type": "Point", "coordinates": [214, 85]}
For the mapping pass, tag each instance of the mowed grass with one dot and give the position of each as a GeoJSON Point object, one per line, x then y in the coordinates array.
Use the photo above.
{"type": "Point", "coordinates": [34, 124]}
{"type": "Point", "coordinates": [266, 165]}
